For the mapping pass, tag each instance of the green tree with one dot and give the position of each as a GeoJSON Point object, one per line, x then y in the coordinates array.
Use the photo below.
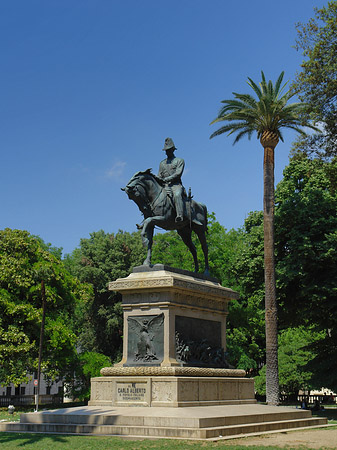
{"type": "Point", "coordinates": [246, 322]}
{"type": "Point", "coordinates": [23, 261]}
{"type": "Point", "coordinates": [223, 246]}
{"type": "Point", "coordinates": [169, 249]}
{"type": "Point", "coordinates": [102, 258]}
{"type": "Point", "coordinates": [56, 251]}
{"type": "Point", "coordinates": [316, 82]}
{"type": "Point", "coordinates": [294, 356]}
{"type": "Point", "coordinates": [244, 115]}
{"type": "Point", "coordinates": [306, 243]}
{"type": "Point", "coordinates": [88, 365]}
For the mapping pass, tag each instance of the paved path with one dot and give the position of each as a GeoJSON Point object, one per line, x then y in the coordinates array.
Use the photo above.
{"type": "Point", "coordinates": [321, 438]}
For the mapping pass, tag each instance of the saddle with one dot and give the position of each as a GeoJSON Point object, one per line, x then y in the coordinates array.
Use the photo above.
{"type": "Point", "coordinates": [188, 209]}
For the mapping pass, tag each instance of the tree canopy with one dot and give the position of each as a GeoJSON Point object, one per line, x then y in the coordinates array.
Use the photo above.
{"type": "Point", "coordinates": [316, 83]}
{"type": "Point", "coordinates": [223, 245]}
{"type": "Point", "coordinates": [23, 264]}
{"type": "Point", "coordinates": [270, 112]}
{"type": "Point", "coordinates": [306, 243]}
{"type": "Point", "coordinates": [102, 258]}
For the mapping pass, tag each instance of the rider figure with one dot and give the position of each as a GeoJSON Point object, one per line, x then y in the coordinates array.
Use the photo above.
{"type": "Point", "coordinates": [170, 172]}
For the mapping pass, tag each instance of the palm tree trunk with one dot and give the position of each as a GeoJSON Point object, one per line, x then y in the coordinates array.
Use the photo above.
{"type": "Point", "coordinates": [272, 381]}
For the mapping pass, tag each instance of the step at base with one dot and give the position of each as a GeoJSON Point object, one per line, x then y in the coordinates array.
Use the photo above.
{"type": "Point", "coordinates": [208, 423]}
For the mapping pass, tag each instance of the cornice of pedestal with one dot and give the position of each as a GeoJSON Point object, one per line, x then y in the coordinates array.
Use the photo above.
{"type": "Point", "coordinates": [162, 278]}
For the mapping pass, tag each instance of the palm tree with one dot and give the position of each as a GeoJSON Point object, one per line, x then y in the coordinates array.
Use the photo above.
{"type": "Point", "coordinates": [266, 116]}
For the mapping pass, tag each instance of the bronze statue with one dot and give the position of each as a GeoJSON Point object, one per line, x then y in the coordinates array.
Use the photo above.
{"type": "Point", "coordinates": [163, 202]}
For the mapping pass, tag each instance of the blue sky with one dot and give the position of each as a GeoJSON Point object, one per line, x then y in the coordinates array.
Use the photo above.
{"type": "Point", "coordinates": [90, 89]}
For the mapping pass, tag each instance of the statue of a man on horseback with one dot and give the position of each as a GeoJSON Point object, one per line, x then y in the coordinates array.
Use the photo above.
{"type": "Point", "coordinates": [161, 199]}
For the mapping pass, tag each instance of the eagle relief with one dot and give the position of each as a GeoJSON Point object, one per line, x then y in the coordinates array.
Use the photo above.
{"type": "Point", "coordinates": [145, 338]}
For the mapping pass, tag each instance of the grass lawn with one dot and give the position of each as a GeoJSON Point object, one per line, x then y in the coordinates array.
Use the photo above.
{"type": "Point", "coordinates": [4, 415]}
{"type": "Point", "coordinates": [16, 441]}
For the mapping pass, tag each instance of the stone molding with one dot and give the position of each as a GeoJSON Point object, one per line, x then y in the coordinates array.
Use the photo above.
{"type": "Point", "coordinates": [171, 371]}
{"type": "Point", "coordinates": [211, 306]}
{"type": "Point", "coordinates": [137, 282]}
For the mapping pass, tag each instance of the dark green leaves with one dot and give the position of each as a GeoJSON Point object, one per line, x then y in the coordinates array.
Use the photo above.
{"type": "Point", "coordinates": [316, 83]}
{"type": "Point", "coordinates": [24, 262]}
{"type": "Point", "coordinates": [102, 258]}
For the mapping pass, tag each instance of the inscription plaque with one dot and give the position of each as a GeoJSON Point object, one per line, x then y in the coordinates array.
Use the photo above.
{"type": "Point", "coordinates": [131, 392]}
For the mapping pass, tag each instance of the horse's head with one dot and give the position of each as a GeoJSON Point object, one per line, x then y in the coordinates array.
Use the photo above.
{"type": "Point", "coordinates": [138, 188]}
{"type": "Point", "coordinates": [135, 185]}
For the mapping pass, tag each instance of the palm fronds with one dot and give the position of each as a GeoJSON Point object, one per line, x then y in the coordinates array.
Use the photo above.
{"type": "Point", "coordinates": [269, 112]}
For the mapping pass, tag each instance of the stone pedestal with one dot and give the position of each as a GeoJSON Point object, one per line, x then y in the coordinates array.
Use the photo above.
{"type": "Point", "coordinates": [174, 344]}
{"type": "Point", "coordinates": [172, 318]}
{"type": "Point", "coordinates": [171, 387]}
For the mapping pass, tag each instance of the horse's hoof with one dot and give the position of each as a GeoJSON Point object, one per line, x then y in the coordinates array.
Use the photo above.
{"type": "Point", "coordinates": [206, 272]}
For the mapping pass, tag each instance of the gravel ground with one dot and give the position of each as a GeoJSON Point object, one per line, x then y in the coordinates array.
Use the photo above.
{"type": "Point", "coordinates": [319, 438]}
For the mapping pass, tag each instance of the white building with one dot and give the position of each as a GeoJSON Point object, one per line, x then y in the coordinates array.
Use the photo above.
{"type": "Point", "coordinates": [25, 392]}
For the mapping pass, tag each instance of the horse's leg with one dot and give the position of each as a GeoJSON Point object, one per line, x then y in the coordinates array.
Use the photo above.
{"type": "Point", "coordinates": [147, 235]}
{"type": "Point", "coordinates": [186, 236]}
{"type": "Point", "coordinates": [147, 238]}
{"type": "Point", "coordinates": [200, 231]}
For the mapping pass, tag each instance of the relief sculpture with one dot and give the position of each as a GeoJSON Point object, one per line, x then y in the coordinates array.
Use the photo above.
{"type": "Point", "coordinates": [200, 354]}
{"type": "Point", "coordinates": [147, 334]}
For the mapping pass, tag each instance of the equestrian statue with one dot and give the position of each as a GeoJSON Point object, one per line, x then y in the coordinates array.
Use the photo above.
{"type": "Point", "coordinates": [163, 201]}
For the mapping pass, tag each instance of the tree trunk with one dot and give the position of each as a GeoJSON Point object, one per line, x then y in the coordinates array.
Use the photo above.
{"type": "Point", "coordinates": [272, 380]}
{"type": "Point", "coordinates": [43, 294]}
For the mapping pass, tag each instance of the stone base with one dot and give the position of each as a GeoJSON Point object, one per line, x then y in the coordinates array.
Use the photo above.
{"type": "Point", "coordinates": [173, 318]}
{"type": "Point", "coordinates": [209, 422]}
{"type": "Point", "coordinates": [170, 391]}
{"type": "Point", "coordinates": [174, 338]}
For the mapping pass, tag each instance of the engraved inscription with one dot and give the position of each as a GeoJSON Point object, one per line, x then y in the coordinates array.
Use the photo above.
{"type": "Point", "coordinates": [131, 392]}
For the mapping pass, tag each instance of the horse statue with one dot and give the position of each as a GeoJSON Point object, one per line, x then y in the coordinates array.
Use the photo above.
{"type": "Point", "coordinates": [149, 193]}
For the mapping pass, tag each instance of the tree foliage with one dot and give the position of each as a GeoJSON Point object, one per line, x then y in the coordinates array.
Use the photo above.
{"type": "Point", "coordinates": [102, 258]}
{"type": "Point", "coordinates": [88, 365]}
{"type": "Point", "coordinates": [246, 322]}
{"type": "Point", "coordinates": [23, 264]}
{"type": "Point", "coordinates": [306, 265]}
{"type": "Point", "coordinates": [271, 111]}
{"type": "Point", "coordinates": [306, 243]}
{"type": "Point", "coordinates": [223, 245]}
{"type": "Point", "coordinates": [294, 356]}
{"type": "Point", "coordinates": [306, 234]}
{"type": "Point", "coordinates": [316, 83]}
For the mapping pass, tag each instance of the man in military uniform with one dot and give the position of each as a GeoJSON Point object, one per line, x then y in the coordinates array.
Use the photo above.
{"type": "Point", "coordinates": [170, 172]}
